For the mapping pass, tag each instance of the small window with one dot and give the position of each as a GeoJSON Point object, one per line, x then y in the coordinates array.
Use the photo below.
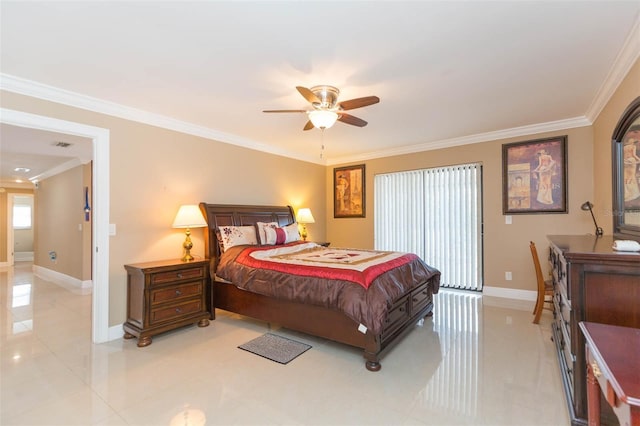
{"type": "Point", "coordinates": [21, 216]}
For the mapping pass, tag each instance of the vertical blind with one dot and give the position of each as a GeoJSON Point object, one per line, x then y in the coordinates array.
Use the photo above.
{"type": "Point", "coordinates": [437, 214]}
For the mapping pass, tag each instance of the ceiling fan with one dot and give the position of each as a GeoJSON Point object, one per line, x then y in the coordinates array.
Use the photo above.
{"type": "Point", "coordinates": [326, 108]}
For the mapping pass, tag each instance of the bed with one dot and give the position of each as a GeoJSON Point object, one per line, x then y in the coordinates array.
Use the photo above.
{"type": "Point", "coordinates": [407, 292]}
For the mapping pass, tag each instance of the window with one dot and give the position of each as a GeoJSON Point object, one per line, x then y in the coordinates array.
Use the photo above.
{"type": "Point", "coordinates": [21, 216]}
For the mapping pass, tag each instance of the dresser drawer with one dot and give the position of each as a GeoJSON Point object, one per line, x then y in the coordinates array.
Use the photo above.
{"type": "Point", "coordinates": [176, 311]}
{"type": "Point", "coordinates": [176, 292]}
{"type": "Point", "coordinates": [569, 359]}
{"type": "Point", "coordinates": [179, 274]}
{"type": "Point", "coordinates": [419, 299]}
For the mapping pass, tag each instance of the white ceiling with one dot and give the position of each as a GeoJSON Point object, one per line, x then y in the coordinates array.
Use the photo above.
{"type": "Point", "coordinates": [447, 72]}
{"type": "Point", "coordinates": [38, 151]}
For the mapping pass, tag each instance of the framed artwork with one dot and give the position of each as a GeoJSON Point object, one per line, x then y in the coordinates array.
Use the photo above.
{"type": "Point", "coordinates": [534, 176]}
{"type": "Point", "coordinates": [348, 191]}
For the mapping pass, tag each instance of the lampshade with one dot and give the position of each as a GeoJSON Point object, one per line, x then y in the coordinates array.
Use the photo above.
{"type": "Point", "coordinates": [305, 216]}
{"type": "Point", "coordinates": [323, 119]}
{"type": "Point", "coordinates": [189, 216]}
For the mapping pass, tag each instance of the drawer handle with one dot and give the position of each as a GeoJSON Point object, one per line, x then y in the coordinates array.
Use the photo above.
{"type": "Point", "coordinates": [401, 309]}
{"type": "Point", "coordinates": [179, 275]}
{"type": "Point", "coordinates": [596, 370]}
{"type": "Point", "coordinates": [178, 310]}
{"type": "Point", "coordinates": [178, 293]}
{"type": "Point", "coordinates": [415, 299]}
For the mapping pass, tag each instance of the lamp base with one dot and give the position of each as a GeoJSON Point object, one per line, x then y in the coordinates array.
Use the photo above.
{"type": "Point", "coordinates": [187, 245]}
{"type": "Point", "coordinates": [187, 257]}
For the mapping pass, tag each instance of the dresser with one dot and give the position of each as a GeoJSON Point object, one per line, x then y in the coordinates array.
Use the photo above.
{"type": "Point", "coordinates": [594, 283]}
{"type": "Point", "coordinates": [165, 295]}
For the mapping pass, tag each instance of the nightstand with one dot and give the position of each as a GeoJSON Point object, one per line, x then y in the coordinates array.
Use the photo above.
{"type": "Point", "coordinates": [165, 295]}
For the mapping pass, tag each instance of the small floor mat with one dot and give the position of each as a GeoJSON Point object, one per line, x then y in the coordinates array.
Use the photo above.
{"type": "Point", "coordinates": [276, 348]}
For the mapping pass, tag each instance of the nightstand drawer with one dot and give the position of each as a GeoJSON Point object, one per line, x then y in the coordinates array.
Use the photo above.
{"type": "Point", "coordinates": [176, 292]}
{"type": "Point", "coordinates": [180, 274]}
{"type": "Point", "coordinates": [176, 311]}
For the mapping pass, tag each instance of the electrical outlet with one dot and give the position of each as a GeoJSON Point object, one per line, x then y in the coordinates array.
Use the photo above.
{"type": "Point", "coordinates": [508, 276]}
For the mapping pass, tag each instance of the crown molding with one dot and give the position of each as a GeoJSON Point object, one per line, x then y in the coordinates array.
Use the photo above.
{"type": "Point", "coordinates": [38, 90]}
{"type": "Point", "coordinates": [626, 58]}
{"type": "Point", "coordinates": [551, 126]}
{"type": "Point", "coordinates": [67, 165]}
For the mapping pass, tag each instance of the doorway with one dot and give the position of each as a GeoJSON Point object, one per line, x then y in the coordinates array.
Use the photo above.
{"type": "Point", "coordinates": [100, 224]}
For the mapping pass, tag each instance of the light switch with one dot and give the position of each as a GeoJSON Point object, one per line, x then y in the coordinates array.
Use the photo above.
{"type": "Point", "coordinates": [112, 229]}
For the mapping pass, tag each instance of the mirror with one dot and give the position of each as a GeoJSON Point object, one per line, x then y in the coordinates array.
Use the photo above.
{"type": "Point", "coordinates": [626, 174]}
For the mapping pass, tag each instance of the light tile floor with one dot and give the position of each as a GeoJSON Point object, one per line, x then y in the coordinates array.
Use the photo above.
{"type": "Point", "coordinates": [476, 361]}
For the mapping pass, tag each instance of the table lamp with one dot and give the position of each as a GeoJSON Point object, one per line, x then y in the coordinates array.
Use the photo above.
{"type": "Point", "coordinates": [304, 217]}
{"type": "Point", "coordinates": [189, 216]}
{"type": "Point", "coordinates": [589, 206]}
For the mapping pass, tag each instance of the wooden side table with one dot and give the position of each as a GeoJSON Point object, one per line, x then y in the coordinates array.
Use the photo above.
{"type": "Point", "coordinates": [613, 368]}
{"type": "Point", "coordinates": [165, 295]}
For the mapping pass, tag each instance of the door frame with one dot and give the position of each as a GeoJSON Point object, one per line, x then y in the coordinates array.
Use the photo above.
{"type": "Point", "coordinates": [100, 211]}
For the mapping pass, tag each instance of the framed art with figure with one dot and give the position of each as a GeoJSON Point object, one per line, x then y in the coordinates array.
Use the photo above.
{"type": "Point", "coordinates": [534, 176]}
{"type": "Point", "coordinates": [349, 191]}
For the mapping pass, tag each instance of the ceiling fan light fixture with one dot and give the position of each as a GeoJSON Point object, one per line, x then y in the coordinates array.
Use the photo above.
{"type": "Point", "coordinates": [323, 119]}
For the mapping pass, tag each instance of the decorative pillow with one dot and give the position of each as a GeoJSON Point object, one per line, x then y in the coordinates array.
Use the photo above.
{"type": "Point", "coordinates": [275, 236]}
{"type": "Point", "coordinates": [261, 226]}
{"type": "Point", "coordinates": [293, 233]}
{"type": "Point", "coordinates": [281, 235]}
{"type": "Point", "coordinates": [238, 235]}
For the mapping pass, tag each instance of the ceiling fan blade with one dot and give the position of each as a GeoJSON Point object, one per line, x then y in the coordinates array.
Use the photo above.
{"type": "Point", "coordinates": [308, 126]}
{"type": "Point", "coordinates": [284, 110]}
{"type": "Point", "coordinates": [308, 95]}
{"type": "Point", "coordinates": [350, 119]}
{"type": "Point", "coordinates": [359, 102]}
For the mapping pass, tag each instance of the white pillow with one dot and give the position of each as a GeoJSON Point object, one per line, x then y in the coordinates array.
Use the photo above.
{"type": "Point", "coordinates": [293, 233]}
{"type": "Point", "coordinates": [238, 235]}
{"type": "Point", "coordinates": [262, 238]}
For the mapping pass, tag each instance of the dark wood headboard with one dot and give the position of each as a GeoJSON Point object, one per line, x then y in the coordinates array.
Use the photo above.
{"type": "Point", "coordinates": [238, 215]}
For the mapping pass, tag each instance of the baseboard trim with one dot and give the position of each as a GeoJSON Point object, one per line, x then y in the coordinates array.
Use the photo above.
{"type": "Point", "coordinates": [510, 293]}
{"type": "Point", "coordinates": [23, 256]}
{"type": "Point", "coordinates": [116, 332]}
{"type": "Point", "coordinates": [70, 283]}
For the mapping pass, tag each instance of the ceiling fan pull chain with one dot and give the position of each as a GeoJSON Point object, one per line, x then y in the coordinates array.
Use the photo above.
{"type": "Point", "coordinates": [322, 143]}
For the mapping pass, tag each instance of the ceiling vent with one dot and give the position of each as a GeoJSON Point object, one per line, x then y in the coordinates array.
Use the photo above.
{"type": "Point", "coordinates": [62, 144]}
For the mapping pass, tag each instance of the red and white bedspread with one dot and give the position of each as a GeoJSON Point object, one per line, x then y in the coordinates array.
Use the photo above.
{"type": "Point", "coordinates": [360, 283]}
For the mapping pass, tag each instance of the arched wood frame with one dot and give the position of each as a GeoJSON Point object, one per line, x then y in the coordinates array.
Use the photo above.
{"type": "Point", "coordinates": [622, 229]}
